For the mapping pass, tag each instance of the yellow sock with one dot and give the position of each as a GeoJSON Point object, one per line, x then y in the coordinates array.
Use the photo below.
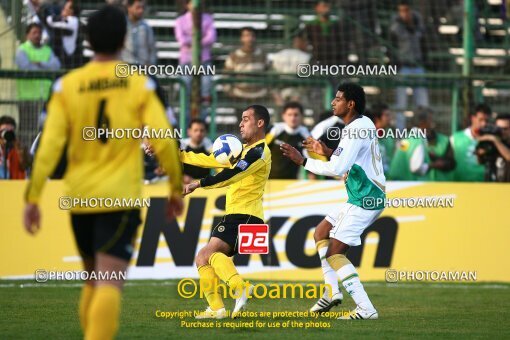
{"type": "Point", "coordinates": [337, 261]}
{"type": "Point", "coordinates": [225, 269]}
{"type": "Point", "coordinates": [209, 282]}
{"type": "Point", "coordinates": [103, 314]}
{"type": "Point", "coordinates": [87, 291]}
{"type": "Point", "coordinates": [322, 248]}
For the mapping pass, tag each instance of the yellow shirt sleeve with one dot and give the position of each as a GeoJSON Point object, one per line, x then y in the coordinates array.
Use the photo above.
{"type": "Point", "coordinates": [229, 176]}
{"type": "Point", "coordinates": [314, 155]}
{"type": "Point", "coordinates": [166, 150]}
{"type": "Point", "coordinates": [53, 141]}
{"type": "Point", "coordinates": [251, 162]}
{"type": "Point", "coordinates": [269, 138]}
{"type": "Point", "coordinates": [201, 160]}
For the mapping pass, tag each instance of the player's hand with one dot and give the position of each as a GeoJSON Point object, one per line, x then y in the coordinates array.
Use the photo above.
{"type": "Point", "coordinates": [291, 153]}
{"type": "Point", "coordinates": [316, 146]}
{"type": "Point", "coordinates": [32, 218]}
{"type": "Point", "coordinates": [159, 171]}
{"type": "Point", "coordinates": [189, 188]}
{"type": "Point", "coordinates": [174, 207]}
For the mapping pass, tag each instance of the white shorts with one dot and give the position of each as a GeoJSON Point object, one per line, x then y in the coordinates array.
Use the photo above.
{"type": "Point", "coordinates": [349, 222]}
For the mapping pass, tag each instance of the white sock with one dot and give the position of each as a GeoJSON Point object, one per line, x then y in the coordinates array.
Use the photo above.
{"type": "Point", "coordinates": [330, 277]}
{"type": "Point", "coordinates": [353, 286]}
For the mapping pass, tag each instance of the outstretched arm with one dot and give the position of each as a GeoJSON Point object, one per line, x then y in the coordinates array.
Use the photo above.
{"type": "Point", "coordinates": [201, 159]}
{"type": "Point", "coordinates": [248, 165]}
{"type": "Point", "coordinates": [341, 160]}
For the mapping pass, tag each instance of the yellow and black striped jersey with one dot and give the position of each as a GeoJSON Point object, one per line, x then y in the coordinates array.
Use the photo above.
{"type": "Point", "coordinates": [94, 97]}
{"type": "Point", "coordinates": [246, 180]}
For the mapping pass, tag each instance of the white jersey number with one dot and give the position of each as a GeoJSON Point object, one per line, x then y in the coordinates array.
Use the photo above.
{"type": "Point", "coordinates": [376, 156]}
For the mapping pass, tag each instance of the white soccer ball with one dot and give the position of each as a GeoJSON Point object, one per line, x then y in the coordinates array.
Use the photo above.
{"type": "Point", "coordinates": [227, 148]}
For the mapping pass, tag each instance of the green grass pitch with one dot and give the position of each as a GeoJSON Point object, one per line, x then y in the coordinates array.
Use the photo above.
{"type": "Point", "coordinates": [406, 310]}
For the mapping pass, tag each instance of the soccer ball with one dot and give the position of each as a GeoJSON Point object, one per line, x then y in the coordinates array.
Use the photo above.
{"type": "Point", "coordinates": [227, 148]}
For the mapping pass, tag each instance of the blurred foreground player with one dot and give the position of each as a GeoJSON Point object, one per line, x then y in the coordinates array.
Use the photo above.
{"type": "Point", "coordinates": [360, 159]}
{"type": "Point", "coordinates": [102, 168]}
{"type": "Point", "coordinates": [246, 182]}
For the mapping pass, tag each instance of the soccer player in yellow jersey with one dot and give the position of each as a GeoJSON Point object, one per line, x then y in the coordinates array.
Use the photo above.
{"type": "Point", "coordinates": [246, 181]}
{"type": "Point", "coordinates": [92, 96]}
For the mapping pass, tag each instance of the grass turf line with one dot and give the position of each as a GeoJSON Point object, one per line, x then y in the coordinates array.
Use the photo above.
{"type": "Point", "coordinates": [445, 311]}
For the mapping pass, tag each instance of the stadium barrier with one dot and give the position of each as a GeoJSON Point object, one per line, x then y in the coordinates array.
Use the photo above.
{"type": "Point", "coordinates": [446, 91]}
{"type": "Point", "coordinates": [469, 236]}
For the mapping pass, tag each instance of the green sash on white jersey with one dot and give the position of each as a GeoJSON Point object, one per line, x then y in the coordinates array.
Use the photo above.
{"type": "Point", "coordinates": [362, 191]}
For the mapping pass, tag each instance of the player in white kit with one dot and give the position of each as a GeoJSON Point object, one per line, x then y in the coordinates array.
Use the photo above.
{"type": "Point", "coordinates": [358, 157]}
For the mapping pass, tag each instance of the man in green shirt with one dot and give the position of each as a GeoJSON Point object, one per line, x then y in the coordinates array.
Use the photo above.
{"type": "Point", "coordinates": [439, 149]}
{"type": "Point", "coordinates": [497, 155]}
{"type": "Point", "coordinates": [464, 142]}
{"type": "Point", "coordinates": [441, 156]}
{"type": "Point", "coordinates": [32, 93]}
{"type": "Point", "coordinates": [411, 159]}
{"type": "Point", "coordinates": [424, 159]}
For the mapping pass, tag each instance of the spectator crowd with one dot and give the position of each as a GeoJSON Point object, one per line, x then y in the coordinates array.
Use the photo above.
{"type": "Point", "coordinates": [55, 40]}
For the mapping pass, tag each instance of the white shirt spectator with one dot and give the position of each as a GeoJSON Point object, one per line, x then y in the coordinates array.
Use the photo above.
{"type": "Point", "coordinates": [287, 60]}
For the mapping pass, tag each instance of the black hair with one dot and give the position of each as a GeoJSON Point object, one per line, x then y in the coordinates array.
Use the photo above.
{"type": "Point", "coordinates": [370, 114]}
{"type": "Point", "coordinates": [197, 121]}
{"type": "Point", "coordinates": [248, 28]}
{"type": "Point", "coordinates": [483, 108]}
{"type": "Point", "coordinates": [293, 105]}
{"type": "Point", "coordinates": [355, 93]}
{"type": "Point", "coordinates": [377, 110]}
{"type": "Point", "coordinates": [260, 112]}
{"type": "Point", "coordinates": [132, 2]}
{"type": "Point", "coordinates": [75, 8]}
{"type": "Point", "coordinates": [106, 30]}
{"type": "Point", "coordinates": [503, 116]}
{"type": "Point", "coordinates": [404, 3]}
{"type": "Point", "coordinates": [183, 7]}
{"type": "Point", "coordinates": [324, 1]}
{"type": "Point", "coordinates": [7, 120]}
{"type": "Point", "coordinates": [32, 25]}
{"type": "Point", "coordinates": [422, 115]}
{"type": "Point", "coordinates": [299, 34]}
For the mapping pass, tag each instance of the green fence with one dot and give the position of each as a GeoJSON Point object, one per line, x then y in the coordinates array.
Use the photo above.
{"type": "Point", "coordinates": [10, 104]}
{"type": "Point", "coordinates": [447, 89]}
{"type": "Point", "coordinates": [468, 45]}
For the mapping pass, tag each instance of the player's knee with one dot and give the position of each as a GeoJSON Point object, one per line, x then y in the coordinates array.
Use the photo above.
{"type": "Point", "coordinates": [318, 235]}
{"type": "Point", "coordinates": [202, 257]}
{"type": "Point", "coordinates": [321, 234]}
{"type": "Point", "coordinates": [329, 252]}
{"type": "Point", "coordinates": [322, 230]}
{"type": "Point", "coordinates": [336, 248]}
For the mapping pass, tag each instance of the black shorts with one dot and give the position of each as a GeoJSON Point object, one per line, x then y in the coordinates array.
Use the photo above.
{"type": "Point", "coordinates": [112, 233]}
{"type": "Point", "coordinates": [227, 229]}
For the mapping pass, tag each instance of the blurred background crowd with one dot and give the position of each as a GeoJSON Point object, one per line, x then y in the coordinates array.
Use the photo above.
{"type": "Point", "coordinates": [451, 80]}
